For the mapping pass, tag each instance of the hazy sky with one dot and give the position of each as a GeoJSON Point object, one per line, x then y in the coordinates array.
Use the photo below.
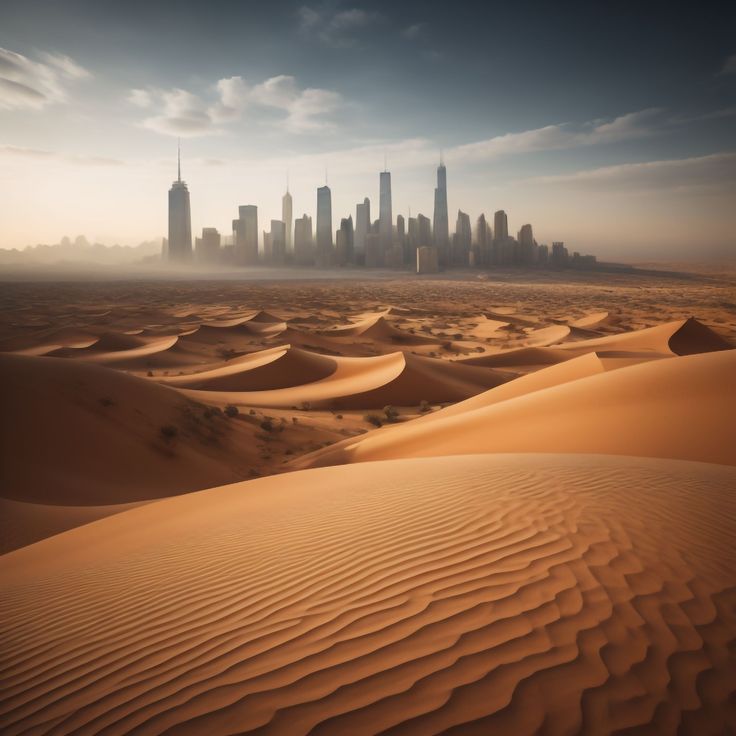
{"type": "Point", "coordinates": [613, 130]}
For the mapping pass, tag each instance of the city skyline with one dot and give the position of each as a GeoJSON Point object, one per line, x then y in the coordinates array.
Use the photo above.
{"type": "Point", "coordinates": [418, 244]}
{"type": "Point", "coordinates": [562, 128]}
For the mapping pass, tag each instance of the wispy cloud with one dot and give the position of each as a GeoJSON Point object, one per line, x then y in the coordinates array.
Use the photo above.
{"type": "Point", "coordinates": [179, 112]}
{"type": "Point", "coordinates": [415, 30]}
{"type": "Point", "coordinates": [29, 84]}
{"type": "Point", "coordinates": [8, 152]}
{"type": "Point", "coordinates": [715, 172]}
{"type": "Point", "coordinates": [561, 136]}
{"type": "Point", "coordinates": [339, 29]}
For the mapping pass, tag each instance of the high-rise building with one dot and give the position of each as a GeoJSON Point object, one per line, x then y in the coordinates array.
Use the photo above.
{"type": "Point", "coordinates": [286, 218]}
{"type": "Point", "coordinates": [503, 247]}
{"type": "Point", "coordinates": [385, 215]}
{"type": "Point", "coordinates": [559, 255]}
{"type": "Point", "coordinates": [277, 241]}
{"type": "Point", "coordinates": [180, 219]}
{"type": "Point", "coordinates": [527, 245]}
{"type": "Point", "coordinates": [207, 248]}
{"type": "Point", "coordinates": [303, 241]}
{"type": "Point", "coordinates": [324, 226]}
{"type": "Point", "coordinates": [482, 242]}
{"type": "Point", "coordinates": [362, 224]}
{"type": "Point", "coordinates": [245, 235]}
{"type": "Point", "coordinates": [344, 250]}
{"type": "Point", "coordinates": [462, 240]}
{"type": "Point", "coordinates": [424, 231]}
{"type": "Point", "coordinates": [500, 226]}
{"type": "Point", "coordinates": [401, 241]}
{"type": "Point", "coordinates": [441, 221]}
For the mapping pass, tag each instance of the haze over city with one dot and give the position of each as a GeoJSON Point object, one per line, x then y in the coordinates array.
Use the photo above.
{"type": "Point", "coordinates": [607, 137]}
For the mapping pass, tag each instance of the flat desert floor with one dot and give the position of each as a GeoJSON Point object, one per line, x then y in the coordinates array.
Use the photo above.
{"type": "Point", "coordinates": [500, 505]}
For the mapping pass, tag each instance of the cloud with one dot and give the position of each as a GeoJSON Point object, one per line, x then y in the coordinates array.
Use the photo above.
{"type": "Point", "coordinates": [28, 84]}
{"type": "Point", "coordinates": [182, 113]}
{"type": "Point", "coordinates": [729, 67]}
{"type": "Point", "coordinates": [560, 136]}
{"type": "Point", "coordinates": [336, 29]}
{"type": "Point", "coordinates": [413, 31]}
{"type": "Point", "coordinates": [140, 97]}
{"type": "Point", "coordinates": [38, 154]}
{"type": "Point", "coordinates": [715, 172]}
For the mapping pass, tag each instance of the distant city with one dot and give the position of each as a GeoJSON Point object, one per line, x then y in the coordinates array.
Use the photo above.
{"type": "Point", "coordinates": [406, 243]}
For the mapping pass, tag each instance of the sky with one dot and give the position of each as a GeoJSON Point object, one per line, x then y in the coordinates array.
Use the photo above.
{"type": "Point", "coordinates": [612, 130]}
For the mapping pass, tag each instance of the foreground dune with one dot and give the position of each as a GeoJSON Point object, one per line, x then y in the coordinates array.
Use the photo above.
{"type": "Point", "coordinates": [72, 433]}
{"type": "Point", "coordinates": [683, 408]}
{"type": "Point", "coordinates": [490, 594]}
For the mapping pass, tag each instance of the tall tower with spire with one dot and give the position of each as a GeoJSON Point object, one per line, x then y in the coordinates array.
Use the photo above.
{"type": "Point", "coordinates": [287, 217]}
{"type": "Point", "coordinates": [385, 212]}
{"type": "Point", "coordinates": [441, 224]}
{"type": "Point", "coordinates": [180, 218]}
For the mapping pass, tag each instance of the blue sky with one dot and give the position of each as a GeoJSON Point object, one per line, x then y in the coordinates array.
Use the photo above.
{"type": "Point", "coordinates": [612, 130]}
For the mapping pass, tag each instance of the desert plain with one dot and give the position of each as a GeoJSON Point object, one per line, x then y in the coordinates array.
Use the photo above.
{"type": "Point", "coordinates": [454, 505]}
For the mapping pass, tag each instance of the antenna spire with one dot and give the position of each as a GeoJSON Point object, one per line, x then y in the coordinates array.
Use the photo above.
{"type": "Point", "coordinates": [287, 181]}
{"type": "Point", "coordinates": [178, 159]}
{"type": "Point", "coordinates": [442, 158]}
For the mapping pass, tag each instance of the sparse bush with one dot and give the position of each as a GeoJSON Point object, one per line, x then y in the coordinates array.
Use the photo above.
{"type": "Point", "coordinates": [295, 420]}
{"type": "Point", "coordinates": [267, 425]}
{"type": "Point", "coordinates": [106, 401]}
{"type": "Point", "coordinates": [306, 406]}
{"type": "Point", "coordinates": [373, 419]}
{"type": "Point", "coordinates": [391, 413]}
{"type": "Point", "coordinates": [169, 432]}
{"type": "Point", "coordinates": [150, 374]}
{"type": "Point", "coordinates": [252, 412]}
{"type": "Point", "coordinates": [231, 410]}
{"type": "Point", "coordinates": [338, 416]}
{"type": "Point", "coordinates": [424, 406]}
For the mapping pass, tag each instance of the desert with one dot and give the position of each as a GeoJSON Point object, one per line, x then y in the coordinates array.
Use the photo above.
{"type": "Point", "coordinates": [417, 505]}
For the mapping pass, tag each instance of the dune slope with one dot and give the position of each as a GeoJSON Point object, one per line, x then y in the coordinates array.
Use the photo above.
{"type": "Point", "coordinates": [493, 594]}
{"type": "Point", "coordinates": [73, 433]}
{"type": "Point", "coordinates": [681, 407]}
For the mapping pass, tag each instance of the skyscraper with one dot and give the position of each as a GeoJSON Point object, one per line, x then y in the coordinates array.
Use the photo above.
{"type": "Point", "coordinates": [245, 235]}
{"type": "Point", "coordinates": [180, 219]}
{"type": "Point", "coordinates": [500, 226]}
{"type": "Point", "coordinates": [286, 218]}
{"type": "Point", "coordinates": [482, 242]}
{"type": "Point", "coordinates": [345, 242]}
{"type": "Point", "coordinates": [527, 245]}
{"type": "Point", "coordinates": [441, 223]}
{"type": "Point", "coordinates": [277, 238]}
{"type": "Point", "coordinates": [462, 239]}
{"type": "Point", "coordinates": [385, 216]}
{"type": "Point", "coordinates": [207, 248]}
{"type": "Point", "coordinates": [324, 226]}
{"type": "Point", "coordinates": [362, 224]}
{"type": "Point", "coordinates": [303, 241]}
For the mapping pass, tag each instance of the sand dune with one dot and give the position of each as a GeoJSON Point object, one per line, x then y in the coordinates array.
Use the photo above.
{"type": "Point", "coordinates": [492, 594]}
{"type": "Point", "coordinates": [377, 327]}
{"type": "Point", "coordinates": [682, 408]}
{"type": "Point", "coordinates": [358, 383]}
{"type": "Point", "coordinates": [590, 320]}
{"type": "Point", "coordinates": [275, 368]}
{"type": "Point", "coordinates": [73, 433]}
{"type": "Point", "coordinates": [681, 337]}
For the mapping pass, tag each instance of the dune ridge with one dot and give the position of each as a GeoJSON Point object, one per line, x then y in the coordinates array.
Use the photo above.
{"type": "Point", "coordinates": [683, 408]}
{"type": "Point", "coordinates": [491, 594]}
